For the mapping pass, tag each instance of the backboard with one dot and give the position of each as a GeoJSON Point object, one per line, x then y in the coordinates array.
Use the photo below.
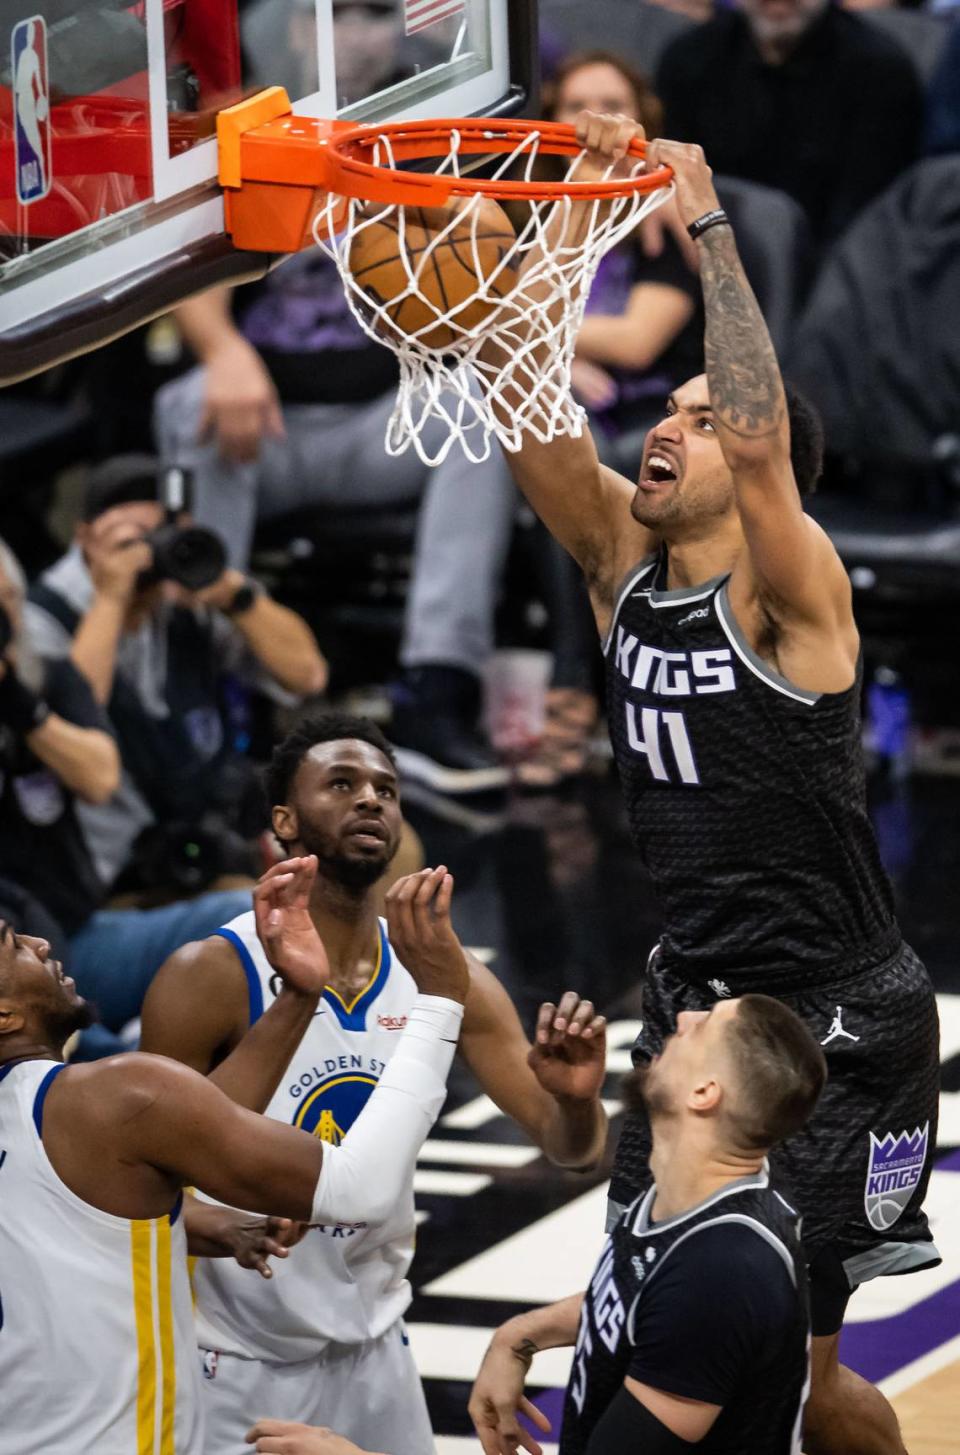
{"type": "Point", "coordinates": [110, 210]}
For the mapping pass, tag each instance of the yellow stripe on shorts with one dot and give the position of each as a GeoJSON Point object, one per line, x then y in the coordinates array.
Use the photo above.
{"type": "Point", "coordinates": [153, 1312]}
{"type": "Point", "coordinates": [141, 1238]}
{"type": "Point", "coordinates": [167, 1354]}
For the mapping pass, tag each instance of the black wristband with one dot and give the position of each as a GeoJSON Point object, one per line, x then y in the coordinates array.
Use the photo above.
{"type": "Point", "coordinates": [21, 709]}
{"type": "Point", "coordinates": [716, 218]}
{"type": "Point", "coordinates": [243, 598]}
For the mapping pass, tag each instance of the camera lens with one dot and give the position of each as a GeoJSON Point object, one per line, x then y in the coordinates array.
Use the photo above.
{"type": "Point", "coordinates": [189, 555]}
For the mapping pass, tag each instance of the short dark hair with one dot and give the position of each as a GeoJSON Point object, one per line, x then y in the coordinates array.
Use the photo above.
{"type": "Point", "coordinates": [806, 440]}
{"type": "Point", "coordinates": [122, 480]}
{"type": "Point", "coordinates": [780, 1068]}
{"type": "Point", "coordinates": [327, 727]}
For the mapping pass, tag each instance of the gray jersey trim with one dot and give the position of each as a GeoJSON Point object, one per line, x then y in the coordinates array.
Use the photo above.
{"type": "Point", "coordinates": [680, 595]}
{"type": "Point", "coordinates": [642, 1228]}
{"type": "Point", "coordinates": [629, 582]}
{"type": "Point", "coordinates": [888, 1258]}
{"type": "Point", "coordinates": [750, 659]}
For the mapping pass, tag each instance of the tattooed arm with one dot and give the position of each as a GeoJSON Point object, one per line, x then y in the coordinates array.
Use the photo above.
{"type": "Point", "coordinates": [790, 562]}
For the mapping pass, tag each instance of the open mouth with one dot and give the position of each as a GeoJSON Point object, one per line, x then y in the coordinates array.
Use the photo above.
{"type": "Point", "coordinates": [372, 833]}
{"type": "Point", "coordinates": [659, 471]}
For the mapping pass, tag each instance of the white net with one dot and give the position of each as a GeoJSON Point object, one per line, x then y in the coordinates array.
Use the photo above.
{"type": "Point", "coordinates": [495, 363]}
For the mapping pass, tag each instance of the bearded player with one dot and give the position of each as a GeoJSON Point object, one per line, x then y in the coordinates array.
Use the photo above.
{"type": "Point", "coordinates": [323, 1342]}
{"type": "Point", "coordinates": [734, 679]}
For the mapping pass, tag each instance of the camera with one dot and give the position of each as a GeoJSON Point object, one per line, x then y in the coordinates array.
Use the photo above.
{"type": "Point", "coordinates": [188, 554]}
{"type": "Point", "coordinates": [6, 631]}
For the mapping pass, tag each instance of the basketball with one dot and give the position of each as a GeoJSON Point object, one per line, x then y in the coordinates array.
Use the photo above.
{"type": "Point", "coordinates": [437, 277]}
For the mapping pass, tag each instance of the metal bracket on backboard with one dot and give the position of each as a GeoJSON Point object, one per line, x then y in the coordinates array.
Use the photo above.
{"type": "Point", "coordinates": [272, 168]}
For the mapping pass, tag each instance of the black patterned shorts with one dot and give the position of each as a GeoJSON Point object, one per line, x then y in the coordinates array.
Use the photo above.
{"type": "Point", "coordinates": [858, 1172]}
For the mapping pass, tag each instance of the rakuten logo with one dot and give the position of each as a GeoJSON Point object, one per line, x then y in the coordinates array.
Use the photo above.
{"type": "Point", "coordinates": [391, 1022]}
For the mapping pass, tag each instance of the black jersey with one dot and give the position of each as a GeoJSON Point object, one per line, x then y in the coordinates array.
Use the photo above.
{"type": "Point", "coordinates": [712, 1306]}
{"type": "Point", "coordinates": [745, 794]}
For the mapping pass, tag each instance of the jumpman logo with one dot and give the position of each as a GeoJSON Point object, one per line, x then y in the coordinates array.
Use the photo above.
{"type": "Point", "coordinates": [836, 1029]}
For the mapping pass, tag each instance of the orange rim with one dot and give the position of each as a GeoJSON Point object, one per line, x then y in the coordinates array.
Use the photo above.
{"type": "Point", "coordinates": [353, 174]}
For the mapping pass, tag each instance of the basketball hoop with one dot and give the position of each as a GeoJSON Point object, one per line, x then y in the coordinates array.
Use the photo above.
{"type": "Point", "coordinates": [494, 360]}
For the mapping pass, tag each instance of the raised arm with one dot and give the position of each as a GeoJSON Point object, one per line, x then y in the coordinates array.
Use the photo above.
{"type": "Point", "coordinates": [551, 1089]}
{"type": "Point", "coordinates": [792, 562]}
{"type": "Point", "coordinates": [196, 1009]}
{"type": "Point", "coordinates": [583, 503]}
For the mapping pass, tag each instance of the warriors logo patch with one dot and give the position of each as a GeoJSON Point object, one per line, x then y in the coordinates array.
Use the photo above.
{"type": "Point", "coordinates": [330, 1109]}
{"type": "Point", "coordinates": [893, 1172]}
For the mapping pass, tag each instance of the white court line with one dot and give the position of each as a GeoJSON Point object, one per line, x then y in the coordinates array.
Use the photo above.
{"type": "Point", "coordinates": [476, 1113]}
{"type": "Point", "coordinates": [450, 1351]}
{"type": "Point", "coordinates": [477, 1154]}
{"type": "Point", "coordinates": [949, 1129]}
{"type": "Point", "coordinates": [451, 1184]}
{"type": "Point", "coordinates": [466, 1445]}
{"type": "Point", "coordinates": [921, 1368]}
{"type": "Point", "coordinates": [553, 1257]}
{"type": "Point", "coordinates": [472, 1114]}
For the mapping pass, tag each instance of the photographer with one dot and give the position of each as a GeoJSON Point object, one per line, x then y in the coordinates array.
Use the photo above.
{"type": "Point", "coordinates": [169, 641]}
{"type": "Point", "coordinates": [55, 748]}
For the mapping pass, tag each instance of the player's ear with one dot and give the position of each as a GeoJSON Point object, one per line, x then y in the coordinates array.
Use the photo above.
{"type": "Point", "coordinates": [706, 1095]}
{"type": "Point", "coordinates": [11, 1019]}
{"type": "Point", "coordinates": [285, 823]}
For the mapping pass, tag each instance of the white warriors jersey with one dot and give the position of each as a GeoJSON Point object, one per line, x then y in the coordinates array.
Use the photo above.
{"type": "Point", "coordinates": [341, 1284]}
{"type": "Point", "coordinates": [97, 1340]}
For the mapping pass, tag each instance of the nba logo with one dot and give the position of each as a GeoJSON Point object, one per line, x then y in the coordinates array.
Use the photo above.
{"type": "Point", "coordinates": [31, 103]}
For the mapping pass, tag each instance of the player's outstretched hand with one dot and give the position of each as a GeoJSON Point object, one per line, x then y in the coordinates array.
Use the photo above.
{"type": "Point", "coordinates": [282, 1437]}
{"type": "Point", "coordinates": [281, 905]}
{"type": "Point", "coordinates": [693, 179]}
{"type": "Point", "coordinates": [569, 1051]}
{"type": "Point", "coordinates": [497, 1398]}
{"type": "Point", "coordinates": [418, 921]}
{"type": "Point", "coordinates": [606, 138]}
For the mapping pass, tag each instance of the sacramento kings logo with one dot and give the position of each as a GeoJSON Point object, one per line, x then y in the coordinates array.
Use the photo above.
{"type": "Point", "coordinates": [893, 1172]}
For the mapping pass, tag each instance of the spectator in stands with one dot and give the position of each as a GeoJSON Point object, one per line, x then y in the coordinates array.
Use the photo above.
{"type": "Point", "coordinates": [921, 33]}
{"type": "Point", "coordinates": [288, 410]}
{"type": "Point", "coordinates": [56, 748]}
{"type": "Point", "coordinates": [159, 660]}
{"type": "Point", "coordinates": [800, 95]}
{"type": "Point", "coordinates": [637, 30]}
{"type": "Point", "coordinates": [943, 99]}
{"type": "Point", "coordinates": [58, 755]}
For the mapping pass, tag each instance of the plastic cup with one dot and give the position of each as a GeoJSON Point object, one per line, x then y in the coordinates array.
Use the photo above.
{"type": "Point", "coordinates": [515, 691]}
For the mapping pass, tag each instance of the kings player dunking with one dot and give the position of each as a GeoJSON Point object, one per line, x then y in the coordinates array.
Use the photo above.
{"type": "Point", "coordinates": [734, 674]}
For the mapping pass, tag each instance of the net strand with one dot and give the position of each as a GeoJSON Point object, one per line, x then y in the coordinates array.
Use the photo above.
{"type": "Point", "coordinates": [532, 323]}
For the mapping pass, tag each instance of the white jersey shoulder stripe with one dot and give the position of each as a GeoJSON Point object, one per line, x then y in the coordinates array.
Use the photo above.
{"type": "Point", "coordinates": [254, 988]}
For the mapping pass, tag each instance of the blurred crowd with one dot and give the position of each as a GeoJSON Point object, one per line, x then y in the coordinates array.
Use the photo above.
{"type": "Point", "coordinates": [203, 532]}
